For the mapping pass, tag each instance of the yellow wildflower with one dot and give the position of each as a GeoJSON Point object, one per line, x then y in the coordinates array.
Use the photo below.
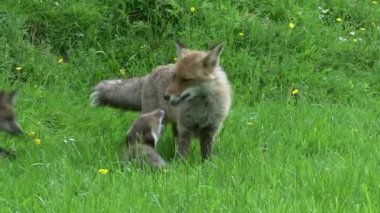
{"type": "Point", "coordinates": [355, 40]}
{"type": "Point", "coordinates": [339, 19]}
{"type": "Point", "coordinates": [37, 141]}
{"type": "Point", "coordinates": [19, 68]}
{"type": "Point", "coordinates": [295, 91]}
{"type": "Point", "coordinates": [175, 58]}
{"type": "Point", "coordinates": [32, 134]}
{"type": "Point", "coordinates": [292, 25]}
{"type": "Point", "coordinates": [192, 9]}
{"type": "Point", "coordinates": [249, 123]}
{"type": "Point", "coordinates": [122, 71]}
{"type": "Point", "coordinates": [241, 34]}
{"type": "Point", "coordinates": [103, 171]}
{"type": "Point", "coordinates": [61, 60]}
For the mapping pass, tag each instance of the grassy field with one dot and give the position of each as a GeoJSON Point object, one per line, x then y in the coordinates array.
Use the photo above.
{"type": "Point", "coordinates": [314, 150]}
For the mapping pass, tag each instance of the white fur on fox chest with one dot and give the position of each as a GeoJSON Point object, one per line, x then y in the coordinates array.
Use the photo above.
{"type": "Point", "coordinates": [209, 108]}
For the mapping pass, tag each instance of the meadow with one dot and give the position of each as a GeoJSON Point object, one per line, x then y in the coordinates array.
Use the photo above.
{"type": "Point", "coordinates": [303, 134]}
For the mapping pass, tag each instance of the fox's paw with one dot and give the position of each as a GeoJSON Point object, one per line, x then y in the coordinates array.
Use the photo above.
{"type": "Point", "coordinates": [7, 154]}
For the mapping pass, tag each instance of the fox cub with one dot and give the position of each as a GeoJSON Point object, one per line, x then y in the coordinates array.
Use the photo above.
{"type": "Point", "coordinates": [8, 121]}
{"type": "Point", "coordinates": [142, 139]}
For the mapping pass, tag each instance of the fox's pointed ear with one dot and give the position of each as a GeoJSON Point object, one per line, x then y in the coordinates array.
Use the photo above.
{"type": "Point", "coordinates": [182, 50]}
{"type": "Point", "coordinates": [11, 97]}
{"type": "Point", "coordinates": [212, 59]}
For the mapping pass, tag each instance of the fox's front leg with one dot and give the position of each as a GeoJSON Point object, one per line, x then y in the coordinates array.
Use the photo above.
{"type": "Point", "coordinates": [183, 142]}
{"type": "Point", "coordinates": [206, 142]}
{"type": "Point", "coordinates": [175, 131]}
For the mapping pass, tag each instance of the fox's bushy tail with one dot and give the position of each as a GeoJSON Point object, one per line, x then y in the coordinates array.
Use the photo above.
{"type": "Point", "coordinates": [118, 93]}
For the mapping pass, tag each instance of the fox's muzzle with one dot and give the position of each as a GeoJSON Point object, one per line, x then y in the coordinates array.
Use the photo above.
{"type": "Point", "coordinates": [174, 100]}
{"type": "Point", "coordinates": [17, 132]}
{"type": "Point", "coordinates": [13, 128]}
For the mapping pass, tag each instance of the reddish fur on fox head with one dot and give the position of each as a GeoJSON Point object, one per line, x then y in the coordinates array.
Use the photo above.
{"type": "Point", "coordinates": [193, 68]}
{"type": "Point", "coordinates": [8, 120]}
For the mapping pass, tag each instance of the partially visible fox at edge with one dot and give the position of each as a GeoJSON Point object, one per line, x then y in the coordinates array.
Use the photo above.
{"type": "Point", "coordinates": [8, 121]}
{"type": "Point", "coordinates": [195, 94]}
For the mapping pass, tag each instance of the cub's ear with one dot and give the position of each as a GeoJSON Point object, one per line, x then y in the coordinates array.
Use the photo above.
{"type": "Point", "coordinates": [212, 59]}
{"type": "Point", "coordinates": [182, 50]}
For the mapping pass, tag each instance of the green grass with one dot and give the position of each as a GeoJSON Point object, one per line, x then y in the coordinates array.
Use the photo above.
{"type": "Point", "coordinates": [318, 151]}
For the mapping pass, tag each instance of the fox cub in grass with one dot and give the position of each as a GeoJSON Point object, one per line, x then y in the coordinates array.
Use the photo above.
{"type": "Point", "coordinates": [142, 139]}
{"type": "Point", "coordinates": [8, 121]}
{"type": "Point", "coordinates": [195, 94]}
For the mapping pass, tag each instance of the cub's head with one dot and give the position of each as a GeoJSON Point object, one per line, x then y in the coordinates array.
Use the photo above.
{"type": "Point", "coordinates": [192, 69]}
{"type": "Point", "coordinates": [8, 121]}
{"type": "Point", "coordinates": [147, 129]}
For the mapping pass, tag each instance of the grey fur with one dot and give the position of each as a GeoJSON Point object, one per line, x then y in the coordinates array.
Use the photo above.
{"type": "Point", "coordinates": [118, 93]}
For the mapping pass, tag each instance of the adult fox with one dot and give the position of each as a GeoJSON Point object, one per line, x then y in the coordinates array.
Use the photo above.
{"type": "Point", "coordinates": [195, 94]}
